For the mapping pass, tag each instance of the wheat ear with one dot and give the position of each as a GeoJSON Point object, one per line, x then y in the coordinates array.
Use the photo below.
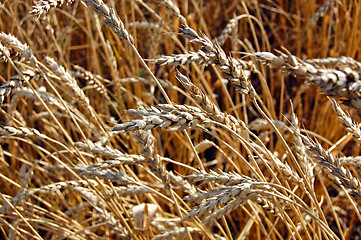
{"type": "Point", "coordinates": [333, 166]}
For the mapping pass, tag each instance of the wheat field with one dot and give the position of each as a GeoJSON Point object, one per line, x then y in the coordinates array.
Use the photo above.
{"type": "Point", "coordinates": [180, 119]}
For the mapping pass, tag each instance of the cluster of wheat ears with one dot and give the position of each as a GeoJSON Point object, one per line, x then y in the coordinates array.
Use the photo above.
{"type": "Point", "coordinates": [182, 119]}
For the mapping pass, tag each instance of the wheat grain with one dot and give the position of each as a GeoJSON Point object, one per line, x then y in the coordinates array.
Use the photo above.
{"type": "Point", "coordinates": [200, 58]}
{"type": "Point", "coordinates": [16, 82]}
{"type": "Point", "coordinates": [146, 140]}
{"type": "Point", "coordinates": [347, 122]}
{"type": "Point", "coordinates": [240, 193]}
{"type": "Point", "coordinates": [14, 45]}
{"type": "Point", "coordinates": [6, 54]}
{"type": "Point", "coordinates": [116, 157]}
{"type": "Point", "coordinates": [20, 131]}
{"type": "Point", "coordinates": [335, 62]}
{"type": "Point", "coordinates": [164, 116]}
{"type": "Point", "coordinates": [131, 190]}
{"type": "Point", "coordinates": [344, 83]}
{"type": "Point", "coordinates": [43, 6]}
{"type": "Point", "coordinates": [110, 18]}
{"type": "Point", "coordinates": [237, 75]}
{"type": "Point", "coordinates": [287, 62]}
{"type": "Point", "coordinates": [67, 80]}
{"type": "Point", "coordinates": [222, 197]}
{"type": "Point", "coordinates": [93, 79]}
{"type": "Point", "coordinates": [227, 179]}
{"type": "Point", "coordinates": [171, 6]}
{"type": "Point", "coordinates": [50, 100]}
{"type": "Point", "coordinates": [47, 97]}
{"type": "Point", "coordinates": [323, 10]}
{"type": "Point", "coordinates": [164, 83]}
{"type": "Point", "coordinates": [257, 173]}
{"type": "Point", "coordinates": [230, 28]}
{"type": "Point", "coordinates": [178, 182]}
{"type": "Point", "coordinates": [179, 232]}
{"type": "Point", "coordinates": [350, 160]}
{"type": "Point", "coordinates": [47, 188]}
{"type": "Point", "coordinates": [143, 25]}
{"type": "Point", "coordinates": [301, 149]}
{"type": "Point", "coordinates": [115, 177]}
{"type": "Point", "coordinates": [333, 166]}
{"type": "Point", "coordinates": [209, 107]}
